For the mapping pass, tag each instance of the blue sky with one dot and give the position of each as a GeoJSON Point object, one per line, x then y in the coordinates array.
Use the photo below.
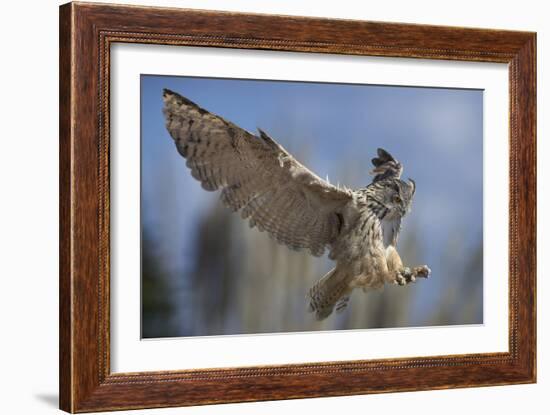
{"type": "Point", "coordinates": [334, 129]}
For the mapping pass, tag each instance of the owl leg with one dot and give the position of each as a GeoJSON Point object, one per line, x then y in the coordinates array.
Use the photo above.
{"type": "Point", "coordinates": [400, 274]}
{"type": "Point", "coordinates": [329, 292]}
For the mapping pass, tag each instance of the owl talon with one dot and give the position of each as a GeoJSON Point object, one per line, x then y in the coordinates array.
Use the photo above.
{"type": "Point", "coordinates": [400, 279]}
{"type": "Point", "coordinates": [407, 276]}
{"type": "Point", "coordinates": [423, 271]}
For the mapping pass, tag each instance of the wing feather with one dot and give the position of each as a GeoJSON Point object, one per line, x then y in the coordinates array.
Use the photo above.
{"type": "Point", "coordinates": [256, 176]}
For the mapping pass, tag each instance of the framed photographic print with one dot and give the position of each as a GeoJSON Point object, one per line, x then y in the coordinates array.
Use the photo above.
{"type": "Point", "coordinates": [258, 207]}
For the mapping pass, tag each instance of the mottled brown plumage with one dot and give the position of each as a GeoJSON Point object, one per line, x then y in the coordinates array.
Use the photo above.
{"type": "Point", "coordinates": [279, 195]}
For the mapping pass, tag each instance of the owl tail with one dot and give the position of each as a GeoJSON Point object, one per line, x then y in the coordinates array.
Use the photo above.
{"type": "Point", "coordinates": [330, 291]}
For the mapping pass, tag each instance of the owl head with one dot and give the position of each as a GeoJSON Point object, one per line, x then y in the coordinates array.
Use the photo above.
{"type": "Point", "coordinates": [394, 194]}
{"type": "Point", "coordinates": [399, 196]}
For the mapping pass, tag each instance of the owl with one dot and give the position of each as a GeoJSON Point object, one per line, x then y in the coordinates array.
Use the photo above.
{"type": "Point", "coordinates": [257, 177]}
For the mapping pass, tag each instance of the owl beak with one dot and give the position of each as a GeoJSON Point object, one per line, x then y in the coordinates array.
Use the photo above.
{"type": "Point", "coordinates": [412, 185]}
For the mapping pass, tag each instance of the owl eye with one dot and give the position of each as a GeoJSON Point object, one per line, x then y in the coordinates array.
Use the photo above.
{"type": "Point", "coordinates": [396, 199]}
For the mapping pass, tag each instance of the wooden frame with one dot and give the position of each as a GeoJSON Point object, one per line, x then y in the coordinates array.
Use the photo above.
{"type": "Point", "coordinates": [86, 33]}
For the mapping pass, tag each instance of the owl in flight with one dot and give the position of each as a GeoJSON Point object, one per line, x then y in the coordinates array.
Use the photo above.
{"type": "Point", "coordinates": [259, 178]}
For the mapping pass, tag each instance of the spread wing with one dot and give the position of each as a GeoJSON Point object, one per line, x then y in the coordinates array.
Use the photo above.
{"type": "Point", "coordinates": [256, 176]}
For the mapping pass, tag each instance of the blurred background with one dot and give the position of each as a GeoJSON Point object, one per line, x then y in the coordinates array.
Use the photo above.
{"type": "Point", "coordinates": [204, 272]}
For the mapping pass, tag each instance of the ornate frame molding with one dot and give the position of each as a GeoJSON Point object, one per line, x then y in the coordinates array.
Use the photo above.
{"type": "Point", "coordinates": [86, 33]}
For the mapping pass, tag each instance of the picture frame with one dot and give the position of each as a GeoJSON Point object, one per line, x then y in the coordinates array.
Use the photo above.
{"type": "Point", "coordinates": [87, 32]}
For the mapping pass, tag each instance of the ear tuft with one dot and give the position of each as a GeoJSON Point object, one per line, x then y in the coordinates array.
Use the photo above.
{"type": "Point", "coordinates": [383, 157]}
{"type": "Point", "coordinates": [385, 166]}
